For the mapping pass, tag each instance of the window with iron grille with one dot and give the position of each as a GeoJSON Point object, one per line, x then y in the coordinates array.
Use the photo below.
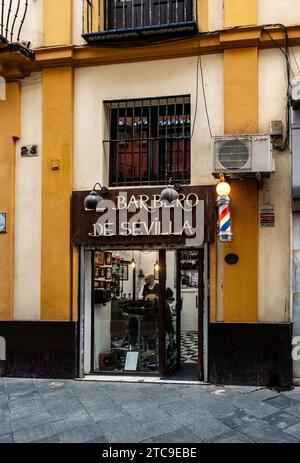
{"type": "Point", "coordinates": [149, 140]}
{"type": "Point", "coordinates": [130, 14]}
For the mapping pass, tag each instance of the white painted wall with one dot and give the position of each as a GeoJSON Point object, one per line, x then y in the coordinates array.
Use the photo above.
{"type": "Point", "coordinates": [95, 84]}
{"type": "Point", "coordinates": [215, 15]}
{"type": "Point", "coordinates": [33, 25]}
{"type": "Point", "coordinates": [28, 205]}
{"type": "Point", "coordinates": [77, 23]}
{"type": "Point", "coordinates": [274, 243]}
{"type": "Point", "coordinates": [285, 12]}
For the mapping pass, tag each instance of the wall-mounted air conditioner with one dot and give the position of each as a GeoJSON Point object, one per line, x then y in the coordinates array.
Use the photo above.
{"type": "Point", "coordinates": [242, 155]}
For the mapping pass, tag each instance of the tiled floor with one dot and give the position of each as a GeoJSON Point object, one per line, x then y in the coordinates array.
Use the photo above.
{"type": "Point", "coordinates": [189, 347]}
{"type": "Point", "coordinates": [78, 411]}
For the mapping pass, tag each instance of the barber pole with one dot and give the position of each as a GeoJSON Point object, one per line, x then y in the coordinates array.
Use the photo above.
{"type": "Point", "coordinates": [225, 234]}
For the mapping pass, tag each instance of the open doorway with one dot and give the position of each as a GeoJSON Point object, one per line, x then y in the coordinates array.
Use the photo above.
{"type": "Point", "coordinates": [189, 287]}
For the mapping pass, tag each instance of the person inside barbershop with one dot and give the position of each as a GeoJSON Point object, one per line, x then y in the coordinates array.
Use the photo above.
{"type": "Point", "coordinates": [150, 290]}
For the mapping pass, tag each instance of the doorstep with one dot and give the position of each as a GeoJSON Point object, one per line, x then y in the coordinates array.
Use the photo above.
{"type": "Point", "coordinates": [137, 379]}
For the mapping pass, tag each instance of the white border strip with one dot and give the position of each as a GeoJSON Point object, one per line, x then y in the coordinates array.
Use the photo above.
{"type": "Point", "coordinates": [137, 379]}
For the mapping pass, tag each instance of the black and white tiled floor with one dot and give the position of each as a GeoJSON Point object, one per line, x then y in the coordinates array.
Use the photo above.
{"type": "Point", "coordinates": [189, 352]}
{"type": "Point", "coordinates": [189, 347]}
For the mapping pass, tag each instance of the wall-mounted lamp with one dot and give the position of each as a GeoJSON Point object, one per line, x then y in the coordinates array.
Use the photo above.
{"type": "Point", "coordinates": [94, 199]}
{"type": "Point", "coordinates": [170, 192]}
{"type": "Point", "coordinates": [223, 191]}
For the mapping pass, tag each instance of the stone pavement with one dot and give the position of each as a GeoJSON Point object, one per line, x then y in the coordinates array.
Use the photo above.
{"type": "Point", "coordinates": [100, 412]}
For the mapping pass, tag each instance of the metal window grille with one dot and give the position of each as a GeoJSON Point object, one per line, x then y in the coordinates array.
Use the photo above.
{"type": "Point", "coordinates": [133, 14]}
{"type": "Point", "coordinates": [12, 17]}
{"type": "Point", "coordinates": [150, 140]}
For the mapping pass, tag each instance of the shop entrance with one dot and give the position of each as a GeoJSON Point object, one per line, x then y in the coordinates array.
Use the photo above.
{"type": "Point", "coordinates": [189, 316]}
{"type": "Point", "coordinates": [147, 313]}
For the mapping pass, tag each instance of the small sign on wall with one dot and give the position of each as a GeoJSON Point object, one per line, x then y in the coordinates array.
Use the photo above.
{"type": "Point", "coordinates": [3, 222]}
{"type": "Point", "coordinates": [267, 216]}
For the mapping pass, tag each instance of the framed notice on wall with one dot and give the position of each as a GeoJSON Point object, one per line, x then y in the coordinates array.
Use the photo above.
{"type": "Point", "coordinates": [2, 222]}
{"type": "Point", "coordinates": [267, 216]}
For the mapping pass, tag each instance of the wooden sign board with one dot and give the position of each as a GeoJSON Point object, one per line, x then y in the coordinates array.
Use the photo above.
{"type": "Point", "coordinates": [84, 222]}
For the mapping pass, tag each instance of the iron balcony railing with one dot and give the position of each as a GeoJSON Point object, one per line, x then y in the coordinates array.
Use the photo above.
{"type": "Point", "coordinates": [12, 18]}
{"type": "Point", "coordinates": [100, 17]}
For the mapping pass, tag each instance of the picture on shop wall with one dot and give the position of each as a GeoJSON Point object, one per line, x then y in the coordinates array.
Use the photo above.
{"type": "Point", "coordinates": [108, 273]}
{"type": "Point", "coordinates": [99, 258]}
{"type": "Point", "coordinates": [124, 272]}
{"type": "Point", "coordinates": [102, 272]}
{"type": "Point", "coordinates": [108, 258]}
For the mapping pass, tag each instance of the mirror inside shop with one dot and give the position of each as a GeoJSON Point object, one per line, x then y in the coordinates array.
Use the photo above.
{"type": "Point", "coordinates": [125, 321]}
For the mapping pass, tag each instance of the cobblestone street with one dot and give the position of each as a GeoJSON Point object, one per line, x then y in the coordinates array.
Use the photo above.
{"type": "Point", "coordinates": [101, 412]}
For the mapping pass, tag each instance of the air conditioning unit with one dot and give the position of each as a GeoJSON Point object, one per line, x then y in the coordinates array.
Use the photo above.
{"type": "Point", "coordinates": [242, 155]}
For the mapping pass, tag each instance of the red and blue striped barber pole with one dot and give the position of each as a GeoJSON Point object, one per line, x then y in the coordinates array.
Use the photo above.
{"type": "Point", "coordinates": [225, 234]}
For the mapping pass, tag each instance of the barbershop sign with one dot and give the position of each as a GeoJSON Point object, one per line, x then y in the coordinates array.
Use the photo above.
{"type": "Point", "coordinates": [131, 217]}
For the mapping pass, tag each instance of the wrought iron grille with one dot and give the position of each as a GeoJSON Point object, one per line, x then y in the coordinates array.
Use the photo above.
{"type": "Point", "coordinates": [12, 17]}
{"type": "Point", "coordinates": [103, 15]}
{"type": "Point", "coordinates": [149, 140]}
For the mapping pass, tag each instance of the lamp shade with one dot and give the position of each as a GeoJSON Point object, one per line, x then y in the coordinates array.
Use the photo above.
{"type": "Point", "coordinates": [223, 189]}
{"type": "Point", "coordinates": [169, 194]}
{"type": "Point", "coordinates": [91, 201]}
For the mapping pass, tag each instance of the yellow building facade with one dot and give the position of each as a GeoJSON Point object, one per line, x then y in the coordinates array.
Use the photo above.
{"type": "Point", "coordinates": [229, 62]}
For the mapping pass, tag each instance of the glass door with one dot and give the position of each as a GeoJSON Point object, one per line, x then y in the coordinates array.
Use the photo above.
{"type": "Point", "coordinates": [170, 309]}
{"type": "Point", "coordinates": [190, 294]}
{"type": "Point", "coordinates": [200, 308]}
